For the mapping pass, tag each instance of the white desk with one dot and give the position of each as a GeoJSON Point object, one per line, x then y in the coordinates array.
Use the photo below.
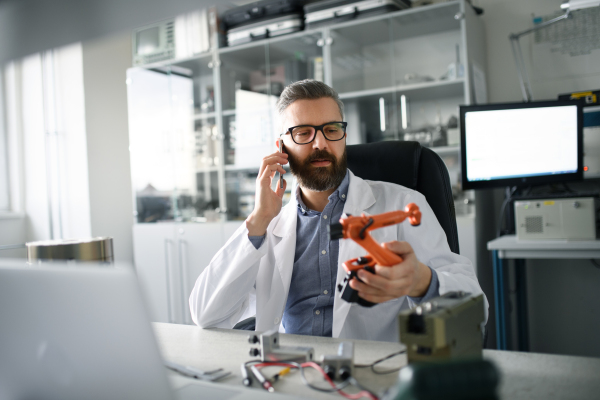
{"type": "Point", "coordinates": [508, 247]}
{"type": "Point", "coordinates": [523, 375]}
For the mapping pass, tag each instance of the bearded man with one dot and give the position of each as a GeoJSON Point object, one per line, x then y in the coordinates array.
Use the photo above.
{"type": "Point", "coordinates": [281, 267]}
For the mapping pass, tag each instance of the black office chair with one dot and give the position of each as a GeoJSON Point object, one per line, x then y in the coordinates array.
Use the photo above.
{"type": "Point", "coordinates": [407, 164]}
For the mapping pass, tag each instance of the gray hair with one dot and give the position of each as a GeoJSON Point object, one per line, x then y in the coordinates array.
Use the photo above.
{"type": "Point", "coordinates": [307, 89]}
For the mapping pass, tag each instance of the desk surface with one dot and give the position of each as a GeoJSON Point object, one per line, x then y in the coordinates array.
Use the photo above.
{"type": "Point", "coordinates": [523, 375]}
{"type": "Point", "coordinates": [510, 247]}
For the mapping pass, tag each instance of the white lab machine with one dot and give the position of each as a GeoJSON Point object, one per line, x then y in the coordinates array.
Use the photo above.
{"type": "Point", "coordinates": [559, 218]}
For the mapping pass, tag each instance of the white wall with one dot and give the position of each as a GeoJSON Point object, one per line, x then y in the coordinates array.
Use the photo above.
{"type": "Point", "coordinates": [503, 17]}
{"type": "Point", "coordinates": [563, 295]}
{"type": "Point", "coordinates": [105, 62]}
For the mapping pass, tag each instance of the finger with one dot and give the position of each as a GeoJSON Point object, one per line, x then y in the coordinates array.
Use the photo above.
{"type": "Point", "coordinates": [276, 158]}
{"type": "Point", "coordinates": [384, 284]}
{"type": "Point", "coordinates": [399, 248]}
{"type": "Point", "coordinates": [362, 287]}
{"type": "Point", "coordinates": [373, 280]}
{"type": "Point", "coordinates": [269, 172]}
{"type": "Point", "coordinates": [397, 271]}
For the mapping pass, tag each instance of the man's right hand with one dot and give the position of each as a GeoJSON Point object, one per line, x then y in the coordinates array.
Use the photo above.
{"type": "Point", "coordinates": [267, 202]}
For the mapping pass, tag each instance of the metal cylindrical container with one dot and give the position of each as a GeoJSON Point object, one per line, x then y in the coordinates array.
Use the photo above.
{"type": "Point", "coordinates": [98, 249]}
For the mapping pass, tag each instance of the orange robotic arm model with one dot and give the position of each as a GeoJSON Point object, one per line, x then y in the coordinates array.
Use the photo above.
{"type": "Point", "coordinates": [357, 229]}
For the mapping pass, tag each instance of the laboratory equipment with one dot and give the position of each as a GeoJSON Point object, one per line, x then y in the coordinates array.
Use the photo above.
{"type": "Point", "coordinates": [334, 11]}
{"type": "Point", "coordinates": [339, 366]}
{"type": "Point", "coordinates": [99, 249]}
{"type": "Point", "coordinates": [270, 350]}
{"type": "Point", "coordinates": [571, 218]}
{"type": "Point", "coordinates": [446, 327]}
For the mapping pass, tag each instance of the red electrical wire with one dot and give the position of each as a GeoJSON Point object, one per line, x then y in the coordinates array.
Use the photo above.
{"type": "Point", "coordinates": [362, 393]}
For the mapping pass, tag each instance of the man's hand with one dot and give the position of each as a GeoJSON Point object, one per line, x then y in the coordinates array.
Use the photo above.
{"type": "Point", "coordinates": [411, 277]}
{"type": "Point", "coordinates": [267, 202]}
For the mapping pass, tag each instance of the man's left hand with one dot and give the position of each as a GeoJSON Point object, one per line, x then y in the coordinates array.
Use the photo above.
{"type": "Point", "coordinates": [411, 277]}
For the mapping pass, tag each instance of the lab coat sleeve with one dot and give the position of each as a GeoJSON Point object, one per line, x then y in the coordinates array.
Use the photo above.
{"type": "Point", "coordinates": [225, 291]}
{"type": "Point", "coordinates": [428, 240]}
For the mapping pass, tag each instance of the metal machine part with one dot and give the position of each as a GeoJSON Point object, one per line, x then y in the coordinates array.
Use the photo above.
{"type": "Point", "coordinates": [566, 218]}
{"type": "Point", "coordinates": [340, 366]}
{"type": "Point", "coordinates": [197, 373]}
{"type": "Point", "coordinates": [446, 327]}
{"type": "Point", "coordinates": [271, 351]}
{"type": "Point", "coordinates": [99, 249]}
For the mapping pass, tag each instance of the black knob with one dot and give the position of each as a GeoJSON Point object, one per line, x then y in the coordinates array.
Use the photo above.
{"type": "Point", "coordinates": [362, 260]}
{"type": "Point", "coordinates": [340, 287]}
{"type": "Point", "coordinates": [254, 352]}
{"type": "Point", "coordinates": [336, 231]}
{"type": "Point", "coordinates": [344, 373]}
{"type": "Point", "coordinates": [329, 371]}
{"type": "Point", "coordinates": [252, 339]}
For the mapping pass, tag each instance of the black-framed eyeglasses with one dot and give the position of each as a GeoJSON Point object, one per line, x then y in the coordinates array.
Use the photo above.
{"type": "Point", "coordinates": [305, 134]}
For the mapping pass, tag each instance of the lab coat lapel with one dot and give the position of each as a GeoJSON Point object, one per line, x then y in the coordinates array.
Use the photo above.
{"type": "Point", "coordinates": [284, 249]}
{"type": "Point", "coordinates": [360, 198]}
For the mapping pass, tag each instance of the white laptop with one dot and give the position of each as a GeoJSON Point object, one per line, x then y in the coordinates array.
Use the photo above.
{"type": "Point", "coordinates": [83, 333]}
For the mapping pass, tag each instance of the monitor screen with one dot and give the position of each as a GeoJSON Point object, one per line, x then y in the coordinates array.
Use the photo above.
{"type": "Point", "coordinates": [521, 144]}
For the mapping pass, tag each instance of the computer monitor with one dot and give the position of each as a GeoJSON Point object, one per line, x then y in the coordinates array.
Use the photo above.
{"type": "Point", "coordinates": [521, 144]}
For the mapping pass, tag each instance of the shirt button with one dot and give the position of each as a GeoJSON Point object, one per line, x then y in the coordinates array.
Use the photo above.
{"type": "Point", "coordinates": [276, 320]}
{"type": "Point", "coordinates": [324, 216]}
{"type": "Point", "coordinates": [323, 252]}
{"type": "Point", "coordinates": [325, 292]}
{"type": "Point", "coordinates": [317, 312]}
{"type": "Point", "coordinates": [343, 196]}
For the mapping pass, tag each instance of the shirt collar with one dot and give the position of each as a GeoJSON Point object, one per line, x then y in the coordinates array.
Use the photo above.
{"type": "Point", "coordinates": [341, 192]}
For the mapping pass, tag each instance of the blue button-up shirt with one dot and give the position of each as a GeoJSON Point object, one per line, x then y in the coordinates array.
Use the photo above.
{"type": "Point", "coordinates": [309, 306]}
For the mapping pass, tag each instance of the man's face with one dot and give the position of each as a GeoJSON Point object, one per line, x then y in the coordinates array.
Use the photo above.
{"type": "Point", "coordinates": [321, 164]}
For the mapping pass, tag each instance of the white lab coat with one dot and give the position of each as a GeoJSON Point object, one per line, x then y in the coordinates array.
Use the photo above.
{"type": "Point", "coordinates": [242, 281]}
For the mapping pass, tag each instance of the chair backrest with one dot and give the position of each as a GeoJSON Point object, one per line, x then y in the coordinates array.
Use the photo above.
{"type": "Point", "coordinates": [411, 165]}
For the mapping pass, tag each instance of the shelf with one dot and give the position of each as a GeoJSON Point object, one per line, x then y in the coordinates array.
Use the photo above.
{"type": "Point", "coordinates": [188, 62]}
{"type": "Point", "coordinates": [446, 150]}
{"type": "Point", "coordinates": [204, 116]}
{"type": "Point", "coordinates": [416, 91]}
{"type": "Point", "coordinates": [408, 23]}
{"type": "Point", "coordinates": [207, 169]}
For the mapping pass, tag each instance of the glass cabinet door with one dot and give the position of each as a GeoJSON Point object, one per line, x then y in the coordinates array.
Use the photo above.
{"type": "Point", "coordinates": [362, 73]}
{"type": "Point", "coordinates": [165, 105]}
{"type": "Point", "coordinates": [252, 78]}
{"type": "Point", "coordinates": [429, 73]}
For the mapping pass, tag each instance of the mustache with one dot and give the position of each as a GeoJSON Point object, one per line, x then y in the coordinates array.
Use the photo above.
{"type": "Point", "coordinates": [320, 155]}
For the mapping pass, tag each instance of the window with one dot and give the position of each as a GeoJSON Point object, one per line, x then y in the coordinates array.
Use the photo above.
{"type": "Point", "coordinates": [4, 183]}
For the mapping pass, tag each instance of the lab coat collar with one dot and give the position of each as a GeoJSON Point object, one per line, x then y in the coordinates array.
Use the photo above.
{"type": "Point", "coordinates": [360, 196]}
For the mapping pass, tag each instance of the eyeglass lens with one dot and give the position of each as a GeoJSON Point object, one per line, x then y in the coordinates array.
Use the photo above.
{"type": "Point", "coordinates": [305, 134]}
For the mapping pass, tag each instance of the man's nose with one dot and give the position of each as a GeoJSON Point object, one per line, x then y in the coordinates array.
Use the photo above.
{"type": "Point", "coordinates": [320, 142]}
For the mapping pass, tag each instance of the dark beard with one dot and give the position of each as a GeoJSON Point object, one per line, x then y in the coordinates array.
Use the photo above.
{"type": "Point", "coordinates": [319, 179]}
